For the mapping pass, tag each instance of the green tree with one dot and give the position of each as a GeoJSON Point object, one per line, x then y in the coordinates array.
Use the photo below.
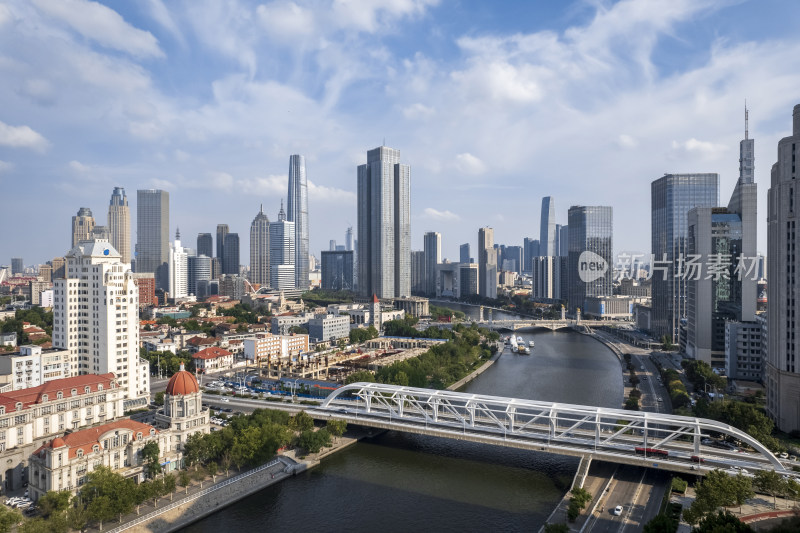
{"type": "Point", "coordinates": [301, 422]}
{"type": "Point", "coordinates": [716, 490]}
{"type": "Point", "coordinates": [336, 427]}
{"type": "Point", "coordinates": [158, 399]}
{"type": "Point", "coordinates": [722, 522]}
{"type": "Point", "coordinates": [661, 524]}
{"type": "Point", "coordinates": [770, 482]}
{"type": "Point", "coordinates": [77, 517]}
{"type": "Point", "coordinates": [55, 524]}
{"type": "Point", "coordinates": [150, 457]}
{"type": "Point", "coordinates": [360, 376]}
{"type": "Point", "coordinates": [8, 519]}
{"type": "Point", "coordinates": [54, 502]}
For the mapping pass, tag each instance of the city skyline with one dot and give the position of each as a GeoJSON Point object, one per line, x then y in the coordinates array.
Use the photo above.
{"type": "Point", "coordinates": [142, 71]}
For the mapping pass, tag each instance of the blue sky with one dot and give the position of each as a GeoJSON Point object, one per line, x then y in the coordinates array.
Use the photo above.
{"type": "Point", "coordinates": [492, 104]}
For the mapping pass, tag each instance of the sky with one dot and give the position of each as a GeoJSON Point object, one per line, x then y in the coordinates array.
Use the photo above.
{"type": "Point", "coordinates": [492, 104]}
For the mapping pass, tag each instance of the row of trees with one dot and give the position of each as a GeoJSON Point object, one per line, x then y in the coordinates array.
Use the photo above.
{"type": "Point", "coordinates": [168, 361]}
{"type": "Point", "coordinates": [359, 335]}
{"type": "Point", "coordinates": [441, 365]}
{"type": "Point", "coordinates": [36, 316]}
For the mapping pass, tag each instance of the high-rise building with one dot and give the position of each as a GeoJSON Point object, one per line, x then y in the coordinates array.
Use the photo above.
{"type": "Point", "coordinates": [101, 232]}
{"type": "Point", "coordinates": [512, 259]}
{"type": "Point", "coordinates": [222, 231]}
{"type": "Point", "coordinates": [433, 256]}
{"type": "Point", "coordinates": [463, 253]}
{"type": "Point", "coordinates": [468, 279]}
{"type": "Point", "coordinates": [259, 249]}
{"type": "Point", "coordinates": [384, 225]}
{"type": "Point", "coordinates": [337, 271]}
{"type": "Point", "coordinates": [98, 280]}
{"type": "Point", "coordinates": [199, 267]}
{"type": "Point", "coordinates": [547, 227]}
{"type": "Point", "coordinates": [282, 253]}
{"type": "Point", "coordinates": [230, 254]}
{"type": "Point", "coordinates": [178, 269]}
{"type": "Point", "coordinates": [119, 223]}
{"type": "Point", "coordinates": [297, 212]}
{"type": "Point", "coordinates": [16, 266]}
{"type": "Point", "coordinates": [672, 196]}
{"type": "Point", "coordinates": [487, 263]}
{"type": "Point", "coordinates": [725, 238]}
{"type": "Point", "coordinates": [782, 376]}
{"type": "Point", "coordinates": [348, 239]}
{"type": "Point", "coordinates": [152, 234]}
{"type": "Point", "coordinates": [82, 226]}
{"type": "Point", "coordinates": [418, 272]}
{"type": "Point", "coordinates": [591, 248]}
{"type": "Point", "coordinates": [563, 241]}
{"type": "Point", "coordinates": [59, 267]}
{"type": "Point", "coordinates": [205, 244]}
{"type": "Point", "coordinates": [332, 245]}
{"type": "Point", "coordinates": [530, 249]}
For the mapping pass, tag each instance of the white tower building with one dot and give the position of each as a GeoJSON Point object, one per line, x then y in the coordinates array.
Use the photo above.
{"type": "Point", "coordinates": [178, 269]}
{"type": "Point", "coordinates": [96, 318]}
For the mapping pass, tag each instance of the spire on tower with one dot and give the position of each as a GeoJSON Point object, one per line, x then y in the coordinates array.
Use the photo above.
{"type": "Point", "coordinates": [745, 120]}
{"type": "Point", "coordinates": [281, 213]}
{"type": "Point", "coordinates": [178, 234]}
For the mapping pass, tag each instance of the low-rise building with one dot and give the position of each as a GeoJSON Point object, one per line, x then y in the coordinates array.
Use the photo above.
{"type": "Point", "coordinates": [609, 307]}
{"type": "Point", "coordinates": [268, 348]}
{"type": "Point", "coordinates": [8, 339]}
{"type": "Point", "coordinates": [413, 305]}
{"type": "Point", "coordinates": [329, 328]}
{"type": "Point", "coordinates": [32, 366]}
{"type": "Point", "coordinates": [212, 359]}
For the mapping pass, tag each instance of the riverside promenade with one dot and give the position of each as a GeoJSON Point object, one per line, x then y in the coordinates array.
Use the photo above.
{"type": "Point", "coordinates": [477, 372]}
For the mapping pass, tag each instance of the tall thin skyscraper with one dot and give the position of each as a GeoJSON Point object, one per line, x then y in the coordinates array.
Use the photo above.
{"type": "Point", "coordinates": [348, 239]}
{"type": "Point", "coordinates": [547, 228]}
{"type": "Point", "coordinates": [82, 226]}
{"type": "Point", "coordinates": [205, 244]}
{"type": "Point", "coordinates": [384, 225]}
{"type": "Point", "coordinates": [297, 212]}
{"type": "Point", "coordinates": [119, 223]}
{"type": "Point", "coordinates": [530, 249]}
{"type": "Point", "coordinates": [433, 256]}
{"type": "Point", "coordinates": [282, 253]}
{"type": "Point", "coordinates": [259, 249]}
{"type": "Point", "coordinates": [152, 234]}
{"type": "Point", "coordinates": [463, 253]}
{"type": "Point", "coordinates": [178, 269]}
{"type": "Point", "coordinates": [418, 272]}
{"type": "Point", "coordinates": [782, 376]}
{"type": "Point", "coordinates": [672, 196]}
{"type": "Point", "coordinates": [487, 263]}
{"type": "Point", "coordinates": [222, 231]}
{"type": "Point", "coordinates": [230, 254]}
{"type": "Point", "coordinates": [591, 229]}
{"type": "Point", "coordinates": [563, 242]}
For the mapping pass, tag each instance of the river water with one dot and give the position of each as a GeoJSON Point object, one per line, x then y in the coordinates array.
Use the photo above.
{"type": "Point", "coordinates": [402, 482]}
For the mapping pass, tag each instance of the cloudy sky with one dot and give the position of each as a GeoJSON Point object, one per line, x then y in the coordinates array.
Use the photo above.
{"type": "Point", "coordinates": [492, 104]}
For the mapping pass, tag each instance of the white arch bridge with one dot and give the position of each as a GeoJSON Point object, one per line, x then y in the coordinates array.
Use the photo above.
{"type": "Point", "coordinates": [669, 442]}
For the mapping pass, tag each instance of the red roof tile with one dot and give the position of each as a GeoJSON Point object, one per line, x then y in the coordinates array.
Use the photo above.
{"type": "Point", "coordinates": [34, 395]}
{"type": "Point", "coordinates": [211, 353]}
{"type": "Point", "coordinates": [85, 439]}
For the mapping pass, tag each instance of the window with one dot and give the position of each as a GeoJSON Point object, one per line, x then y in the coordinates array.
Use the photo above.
{"type": "Point", "coordinates": [79, 453]}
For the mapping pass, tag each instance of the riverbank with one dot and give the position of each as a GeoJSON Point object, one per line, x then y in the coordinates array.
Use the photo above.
{"type": "Point", "coordinates": [201, 500]}
{"type": "Point", "coordinates": [475, 373]}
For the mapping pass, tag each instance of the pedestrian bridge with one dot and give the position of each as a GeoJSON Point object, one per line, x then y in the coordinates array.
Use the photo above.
{"type": "Point", "coordinates": [654, 440]}
{"type": "Point", "coordinates": [514, 325]}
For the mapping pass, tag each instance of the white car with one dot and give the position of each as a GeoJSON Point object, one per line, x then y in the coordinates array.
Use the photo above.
{"type": "Point", "coordinates": [617, 510]}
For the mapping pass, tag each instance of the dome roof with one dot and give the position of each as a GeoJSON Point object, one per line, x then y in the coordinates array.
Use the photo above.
{"type": "Point", "coordinates": [183, 383]}
{"type": "Point", "coordinates": [58, 442]}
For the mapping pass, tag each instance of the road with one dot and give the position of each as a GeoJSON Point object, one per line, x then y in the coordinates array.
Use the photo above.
{"type": "Point", "coordinates": [639, 492]}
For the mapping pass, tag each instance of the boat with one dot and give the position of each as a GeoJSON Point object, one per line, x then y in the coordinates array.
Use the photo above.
{"type": "Point", "coordinates": [527, 351]}
{"type": "Point", "coordinates": [531, 344]}
{"type": "Point", "coordinates": [520, 340]}
{"type": "Point", "coordinates": [521, 349]}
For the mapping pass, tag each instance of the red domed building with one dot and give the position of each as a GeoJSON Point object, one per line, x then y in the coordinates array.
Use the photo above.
{"type": "Point", "coordinates": [183, 412]}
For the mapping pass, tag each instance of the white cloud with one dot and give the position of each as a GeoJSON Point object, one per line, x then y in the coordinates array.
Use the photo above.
{"type": "Point", "coordinates": [702, 148]}
{"type": "Point", "coordinates": [5, 14]}
{"type": "Point", "coordinates": [469, 164]}
{"type": "Point", "coordinates": [435, 214]}
{"type": "Point", "coordinates": [284, 20]}
{"type": "Point", "coordinates": [323, 194]}
{"type": "Point", "coordinates": [161, 14]}
{"type": "Point", "coordinates": [102, 25]}
{"type": "Point", "coordinates": [626, 141]}
{"type": "Point", "coordinates": [39, 90]}
{"type": "Point", "coordinates": [417, 111]}
{"type": "Point", "coordinates": [22, 137]}
{"type": "Point", "coordinates": [5, 166]}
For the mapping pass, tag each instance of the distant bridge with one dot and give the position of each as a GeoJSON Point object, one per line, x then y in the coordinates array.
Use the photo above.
{"type": "Point", "coordinates": [514, 325]}
{"type": "Point", "coordinates": [653, 440]}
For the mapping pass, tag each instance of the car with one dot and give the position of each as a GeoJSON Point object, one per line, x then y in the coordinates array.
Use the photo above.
{"type": "Point", "coordinates": [660, 400]}
{"type": "Point", "coordinates": [617, 510]}
{"type": "Point", "coordinates": [225, 400]}
{"type": "Point", "coordinates": [784, 455]}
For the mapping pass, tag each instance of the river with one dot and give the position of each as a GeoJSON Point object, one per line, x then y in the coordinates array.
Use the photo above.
{"type": "Point", "coordinates": [402, 482]}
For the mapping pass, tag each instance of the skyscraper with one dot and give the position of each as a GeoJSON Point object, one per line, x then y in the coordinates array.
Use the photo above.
{"type": "Point", "coordinates": [782, 378]}
{"type": "Point", "coordinates": [418, 272]}
{"type": "Point", "coordinates": [463, 253]}
{"type": "Point", "coordinates": [728, 235]}
{"type": "Point", "coordinates": [530, 249]}
{"type": "Point", "coordinates": [205, 244]}
{"type": "Point", "coordinates": [297, 212]}
{"type": "Point", "coordinates": [97, 279]}
{"type": "Point", "coordinates": [82, 226]}
{"type": "Point", "coordinates": [591, 229]}
{"type": "Point", "coordinates": [16, 266]}
{"type": "Point", "coordinates": [199, 272]}
{"type": "Point", "coordinates": [119, 223]}
{"type": "Point", "coordinates": [384, 225]}
{"type": "Point", "coordinates": [230, 254]}
{"type": "Point", "coordinates": [178, 269]}
{"type": "Point", "coordinates": [487, 263]}
{"type": "Point", "coordinates": [337, 270]}
{"type": "Point", "coordinates": [152, 234]}
{"type": "Point", "coordinates": [222, 231]}
{"type": "Point", "coordinates": [547, 228]}
{"type": "Point", "coordinates": [563, 242]}
{"type": "Point", "coordinates": [348, 239]}
{"type": "Point", "coordinates": [259, 249]}
{"type": "Point", "coordinates": [433, 256]}
{"type": "Point", "coordinates": [282, 253]}
{"type": "Point", "coordinates": [672, 196]}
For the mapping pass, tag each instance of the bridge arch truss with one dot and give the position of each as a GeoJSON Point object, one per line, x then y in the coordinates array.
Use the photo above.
{"type": "Point", "coordinates": [597, 430]}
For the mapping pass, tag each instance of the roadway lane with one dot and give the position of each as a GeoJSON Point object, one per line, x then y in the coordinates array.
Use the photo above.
{"type": "Point", "coordinates": [624, 488]}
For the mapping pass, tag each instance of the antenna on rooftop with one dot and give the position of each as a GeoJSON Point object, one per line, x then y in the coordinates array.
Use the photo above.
{"type": "Point", "coordinates": [745, 119]}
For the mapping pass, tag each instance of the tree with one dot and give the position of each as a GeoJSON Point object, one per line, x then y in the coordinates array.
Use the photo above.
{"type": "Point", "coordinates": [54, 502]}
{"type": "Point", "coordinates": [722, 522]}
{"type": "Point", "coordinates": [301, 422]}
{"type": "Point", "coordinates": [183, 479]}
{"type": "Point", "coordinates": [661, 524]}
{"type": "Point", "coordinates": [150, 457]}
{"type": "Point", "coordinates": [770, 482]}
{"type": "Point", "coordinates": [336, 427]}
{"type": "Point", "coordinates": [716, 490]}
{"type": "Point", "coordinates": [313, 441]}
{"type": "Point", "coordinates": [159, 398]}
{"type": "Point", "coordinates": [77, 517]}
{"type": "Point", "coordinates": [8, 519]}
{"type": "Point", "coordinates": [55, 524]}
{"type": "Point", "coordinates": [360, 376]}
